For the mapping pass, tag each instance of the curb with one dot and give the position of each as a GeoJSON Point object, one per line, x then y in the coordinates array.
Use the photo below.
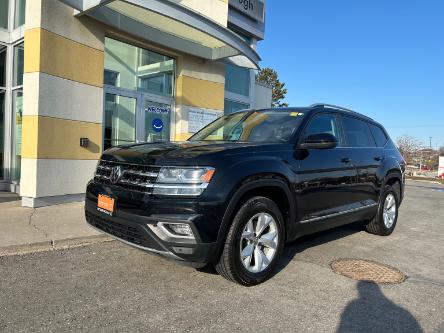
{"type": "Point", "coordinates": [52, 245]}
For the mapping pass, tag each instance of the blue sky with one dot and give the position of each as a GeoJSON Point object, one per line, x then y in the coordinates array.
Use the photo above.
{"type": "Point", "coordinates": [383, 58]}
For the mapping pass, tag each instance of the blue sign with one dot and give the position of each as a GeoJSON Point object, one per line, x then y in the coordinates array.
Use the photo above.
{"type": "Point", "coordinates": [157, 125]}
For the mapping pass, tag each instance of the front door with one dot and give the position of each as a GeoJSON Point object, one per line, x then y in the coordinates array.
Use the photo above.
{"type": "Point", "coordinates": [326, 176]}
{"type": "Point", "coordinates": [133, 117]}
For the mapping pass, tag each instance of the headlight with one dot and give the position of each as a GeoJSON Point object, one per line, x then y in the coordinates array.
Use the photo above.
{"type": "Point", "coordinates": [183, 181]}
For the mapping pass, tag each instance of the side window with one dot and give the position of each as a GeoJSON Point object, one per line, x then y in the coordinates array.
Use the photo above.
{"type": "Point", "coordinates": [379, 135]}
{"type": "Point", "coordinates": [324, 123]}
{"type": "Point", "coordinates": [357, 133]}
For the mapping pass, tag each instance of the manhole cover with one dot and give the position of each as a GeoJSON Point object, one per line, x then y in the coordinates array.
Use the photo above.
{"type": "Point", "coordinates": [367, 270]}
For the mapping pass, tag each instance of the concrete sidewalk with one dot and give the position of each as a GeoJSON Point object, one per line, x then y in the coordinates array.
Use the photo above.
{"type": "Point", "coordinates": [25, 230]}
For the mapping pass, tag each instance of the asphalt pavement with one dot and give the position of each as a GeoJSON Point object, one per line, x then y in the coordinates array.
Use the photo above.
{"type": "Point", "coordinates": [113, 287]}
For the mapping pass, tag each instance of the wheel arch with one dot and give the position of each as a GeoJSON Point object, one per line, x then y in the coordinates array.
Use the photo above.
{"type": "Point", "coordinates": [392, 177]}
{"type": "Point", "coordinates": [270, 185]}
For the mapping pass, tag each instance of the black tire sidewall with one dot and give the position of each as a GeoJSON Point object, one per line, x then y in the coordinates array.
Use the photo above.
{"type": "Point", "coordinates": [252, 207]}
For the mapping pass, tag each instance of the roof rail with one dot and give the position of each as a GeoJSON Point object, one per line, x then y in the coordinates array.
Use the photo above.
{"type": "Point", "coordinates": [331, 106]}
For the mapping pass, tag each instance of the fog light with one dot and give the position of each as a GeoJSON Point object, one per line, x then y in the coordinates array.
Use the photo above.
{"type": "Point", "coordinates": [181, 230]}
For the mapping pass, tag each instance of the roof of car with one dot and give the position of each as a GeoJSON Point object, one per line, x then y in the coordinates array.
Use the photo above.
{"type": "Point", "coordinates": [318, 106]}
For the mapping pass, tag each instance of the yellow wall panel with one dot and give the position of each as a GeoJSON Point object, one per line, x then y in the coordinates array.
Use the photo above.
{"type": "Point", "coordinates": [200, 93]}
{"type": "Point", "coordinates": [61, 139]}
{"type": "Point", "coordinates": [59, 56]}
{"type": "Point", "coordinates": [32, 51]}
{"type": "Point", "coordinates": [30, 129]}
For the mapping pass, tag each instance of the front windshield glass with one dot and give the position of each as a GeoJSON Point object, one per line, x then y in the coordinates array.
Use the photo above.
{"type": "Point", "coordinates": [252, 126]}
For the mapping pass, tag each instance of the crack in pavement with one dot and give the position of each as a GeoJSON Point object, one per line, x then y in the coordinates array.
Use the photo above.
{"type": "Point", "coordinates": [34, 211]}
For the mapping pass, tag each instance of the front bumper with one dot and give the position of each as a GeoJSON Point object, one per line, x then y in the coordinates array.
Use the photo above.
{"type": "Point", "coordinates": [136, 225]}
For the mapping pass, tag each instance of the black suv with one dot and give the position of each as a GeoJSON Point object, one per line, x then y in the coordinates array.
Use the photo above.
{"type": "Point", "coordinates": [243, 186]}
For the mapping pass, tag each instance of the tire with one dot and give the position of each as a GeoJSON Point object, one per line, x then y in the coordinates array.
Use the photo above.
{"type": "Point", "coordinates": [379, 225]}
{"type": "Point", "coordinates": [250, 271]}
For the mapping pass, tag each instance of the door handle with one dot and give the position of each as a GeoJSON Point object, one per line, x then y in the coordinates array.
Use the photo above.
{"type": "Point", "coordinates": [379, 158]}
{"type": "Point", "coordinates": [346, 160]}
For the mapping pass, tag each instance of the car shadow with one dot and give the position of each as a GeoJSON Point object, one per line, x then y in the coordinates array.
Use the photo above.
{"type": "Point", "coordinates": [301, 244]}
{"type": "Point", "coordinates": [373, 312]}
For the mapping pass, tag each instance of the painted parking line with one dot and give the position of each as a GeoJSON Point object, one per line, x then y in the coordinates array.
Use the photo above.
{"type": "Point", "coordinates": [433, 188]}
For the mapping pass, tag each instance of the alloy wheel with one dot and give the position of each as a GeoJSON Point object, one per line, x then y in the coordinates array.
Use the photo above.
{"type": "Point", "coordinates": [389, 211]}
{"type": "Point", "coordinates": [259, 242]}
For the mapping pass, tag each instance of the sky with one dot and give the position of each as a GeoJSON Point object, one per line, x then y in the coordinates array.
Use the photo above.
{"type": "Point", "coordinates": [382, 58]}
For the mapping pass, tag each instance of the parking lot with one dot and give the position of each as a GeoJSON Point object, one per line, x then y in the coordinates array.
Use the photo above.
{"type": "Point", "coordinates": [110, 286]}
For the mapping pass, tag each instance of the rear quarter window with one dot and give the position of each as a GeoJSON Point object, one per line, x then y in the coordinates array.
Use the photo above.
{"type": "Point", "coordinates": [379, 135]}
{"type": "Point", "coordinates": [357, 133]}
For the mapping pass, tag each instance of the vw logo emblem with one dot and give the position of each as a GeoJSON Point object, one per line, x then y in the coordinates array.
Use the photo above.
{"type": "Point", "coordinates": [116, 174]}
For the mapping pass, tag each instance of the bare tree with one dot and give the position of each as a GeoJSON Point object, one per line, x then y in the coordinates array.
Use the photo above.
{"type": "Point", "coordinates": [409, 147]}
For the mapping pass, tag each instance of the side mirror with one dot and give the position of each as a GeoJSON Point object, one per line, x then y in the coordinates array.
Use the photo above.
{"type": "Point", "coordinates": [319, 141]}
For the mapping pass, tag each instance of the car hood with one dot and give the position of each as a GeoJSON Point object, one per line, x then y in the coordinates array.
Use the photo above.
{"type": "Point", "coordinates": [178, 153]}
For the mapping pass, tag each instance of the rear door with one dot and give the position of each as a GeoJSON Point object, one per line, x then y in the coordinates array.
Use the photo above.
{"type": "Point", "coordinates": [326, 176]}
{"type": "Point", "coordinates": [367, 158]}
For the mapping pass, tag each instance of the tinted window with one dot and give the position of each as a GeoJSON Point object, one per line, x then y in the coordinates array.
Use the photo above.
{"type": "Point", "coordinates": [325, 123]}
{"type": "Point", "coordinates": [379, 135]}
{"type": "Point", "coordinates": [357, 133]}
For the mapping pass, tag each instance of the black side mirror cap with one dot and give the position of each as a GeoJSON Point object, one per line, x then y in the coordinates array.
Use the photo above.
{"type": "Point", "coordinates": [319, 141]}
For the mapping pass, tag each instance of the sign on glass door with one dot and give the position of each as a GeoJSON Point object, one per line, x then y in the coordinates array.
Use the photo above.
{"type": "Point", "coordinates": [157, 122]}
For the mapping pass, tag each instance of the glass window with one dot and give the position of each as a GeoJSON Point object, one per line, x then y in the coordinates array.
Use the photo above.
{"type": "Point", "coordinates": [19, 13]}
{"type": "Point", "coordinates": [237, 80]}
{"type": "Point", "coordinates": [111, 78]}
{"type": "Point", "coordinates": [325, 123]}
{"type": "Point", "coordinates": [357, 133]}
{"type": "Point", "coordinates": [120, 120]}
{"type": "Point", "coordinates": [17, 105]}
{"type": "Point", "coordinates": [252, 126]}
{"type": "Point", "coordinates": [133, 68]}
{"type": "Point", "coordinates": [17, 79]}
{"type": "Point", "coordinates": [379, 135]}
{"type": "Point", "coordinates": [2, 66]}
{"type": "Point", "coordinates": [231, 106]}
{"type": "Point", "coordinates": [2, 133]}
{"type": "Point", "coordinates": [4, 10]}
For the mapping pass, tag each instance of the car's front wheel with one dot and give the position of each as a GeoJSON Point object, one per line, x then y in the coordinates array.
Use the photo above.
{"type": "Point", "coordinates": [254, 243]}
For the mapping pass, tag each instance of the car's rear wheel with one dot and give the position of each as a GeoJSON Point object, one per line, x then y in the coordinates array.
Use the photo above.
{"type": "Point", "coordinates": [254, 243]}
{"type": "Point", "coordinates": [385, 220]}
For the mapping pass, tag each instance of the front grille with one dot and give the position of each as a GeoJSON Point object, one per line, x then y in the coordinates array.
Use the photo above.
{"type": "Point", "coordinates": [122, 231]}
{"type": "Point", "coordinates": [134, 177]}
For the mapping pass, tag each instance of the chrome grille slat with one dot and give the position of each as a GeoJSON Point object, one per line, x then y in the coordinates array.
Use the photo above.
{"type": "Point", "coordinates": [134, 177]}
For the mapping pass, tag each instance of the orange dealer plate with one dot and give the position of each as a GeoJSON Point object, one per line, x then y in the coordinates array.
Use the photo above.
{"type": "Point", "coordinates": [106, 204]}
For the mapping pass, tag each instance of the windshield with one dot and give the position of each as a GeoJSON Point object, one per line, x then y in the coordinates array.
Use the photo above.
{"type": "Point", "coordinates": [252, 126]}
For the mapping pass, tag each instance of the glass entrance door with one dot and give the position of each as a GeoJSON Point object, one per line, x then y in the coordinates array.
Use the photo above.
{"type": "Point", "coordinates": [119, 120]}
{"type": "Point", "coordinates": [133, 117]}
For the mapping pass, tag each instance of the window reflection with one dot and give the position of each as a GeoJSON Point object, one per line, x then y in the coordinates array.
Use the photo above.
{"type": "Point", "coordinates": [231, 106]}
{"type": "Point", "coordinates": [2, 121]}
{"type": "Point", "coordinates": [4, 10]}
{"type": "Point", "coordinates": [17, 79]}
{"type": "Point", "coordinates": [17, 104]}
{"type": "Point", "coordinates": [19, 13]}
{"type": "Point", "coordinates": [133, 68]}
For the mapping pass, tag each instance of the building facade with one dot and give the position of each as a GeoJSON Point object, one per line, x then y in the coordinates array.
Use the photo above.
{"type": "Point", "coordinates": [80, 76]}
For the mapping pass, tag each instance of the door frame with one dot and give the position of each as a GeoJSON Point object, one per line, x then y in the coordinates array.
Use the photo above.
{"type": "Point", "coordinates": [140, 98]}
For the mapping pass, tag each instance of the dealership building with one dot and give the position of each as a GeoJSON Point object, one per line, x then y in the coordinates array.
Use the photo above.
{"type": "Point", "coordinates": [80, 76]}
